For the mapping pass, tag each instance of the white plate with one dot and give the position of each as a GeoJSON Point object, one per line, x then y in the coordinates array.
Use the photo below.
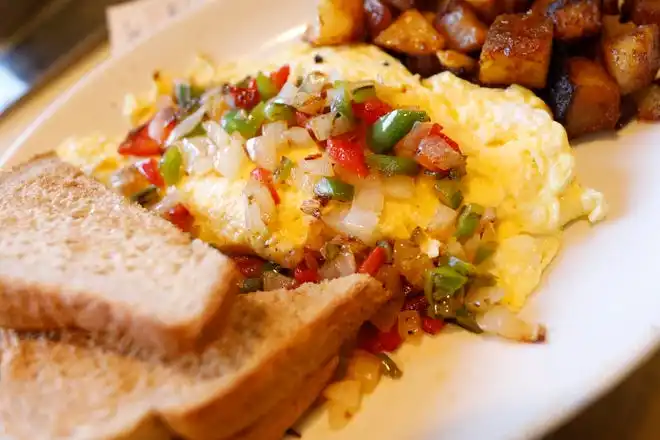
{"type": "Point", "coordinates": [601, 302]}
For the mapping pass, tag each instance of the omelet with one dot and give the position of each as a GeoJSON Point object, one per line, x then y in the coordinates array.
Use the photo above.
{"type": "Point", "coordinates": [519, 161]}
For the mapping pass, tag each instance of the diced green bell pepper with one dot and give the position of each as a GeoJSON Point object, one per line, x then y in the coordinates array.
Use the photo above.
{"type": "Point", "coordinates": [171, 165]}
{"type": "Point", "coordinates": [335, 189]}
{"type": "Point", "coordinates": [393, 165]}
{"type": "Point", "coordinates": [392, 127]}
{"type": "Point", "coordinates": [265, 87]}
{"type": "Point", "coordinates": [449, 193]}
{"type": "Point", "coordinates": [468, 220]}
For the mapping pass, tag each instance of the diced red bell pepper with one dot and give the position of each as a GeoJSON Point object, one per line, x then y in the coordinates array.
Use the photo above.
{"type": "Point", "coordinates": [280, 76]}
{"type": "Point", "coordinates": [418, 303]}
{"type": "Point", "coordinates": [371, 109]}
{"type": "Point", "coordinates": [305, 274]}
{"type": "Point", "coordinates": [180, 217]}
{"type": "Point", "coordinates": [349, 154]}
{"type": "Point", "coordinates": [438, 153]}
{"type": "Point", "coordinates": [374, 341]}
{"type": "Point", "coordinates": [149, 169]}
{"type": "Point", "coordinates": [245, 97]}
{"type": "Point", "coordinates": [374, 261]}
{"type": "Point", "coordinates": [139, 143]}
{"type": "Point", "coordinates": [432, 326]}
{"type": "Point", "coordinates": [249, 266]}
{"type": "Point", "coordinates": [265, 177]}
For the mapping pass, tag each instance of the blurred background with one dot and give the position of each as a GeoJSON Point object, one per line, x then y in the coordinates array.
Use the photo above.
{"type": "Point", "coordinates": [39, 38]}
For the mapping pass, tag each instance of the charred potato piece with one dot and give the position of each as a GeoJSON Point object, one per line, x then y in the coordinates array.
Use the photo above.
{"type": "Point", "coordinates": [411, 34]}
{"type": "Point", "coordinates": [643, 11]}
{"type": "Point", "coordinates": [612, 26]}
{"type": "Point", "coordinates": [648, 103]}
{"type": "Point", "coordinates": [573, 19]}
{"type": "Point", "coordinates": [611, 7]}
{"type": "Point", "coordinates": [487, 10]}
{"type": "Point", "coordinates": [583, 97]}
{"type": "Point", "coordinates": [457, 63]}
{"type": "Point", "coordinates": [337, 22]}
{"type": "Point", "coordinates": [378, 16]}
{"type": "Point", "coordinates": [423, 65]}
{"type": "Point", "coordinates": [462, 29]}
{"type": "Point", "coordinates": [401, 5]}
{"type": "Point", "coordinates": [633, 58]}
{"type": "Point", "coordinates": [517, 51]}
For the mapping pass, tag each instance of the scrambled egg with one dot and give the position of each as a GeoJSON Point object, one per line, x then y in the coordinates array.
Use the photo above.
{"type": "Point", "coordinates": [518, 161]}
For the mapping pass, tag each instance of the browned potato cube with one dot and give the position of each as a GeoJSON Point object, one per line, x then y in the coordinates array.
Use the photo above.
{"type": "Point", "coordinates": [462, 29]}
{"type": "Point", "coordinates": [613, 27]}
{"type": "Point", "coordinates": [648, 103]}
{"type": "Point", "coordinates": [573, 19]}
{"type": "Point", "coordinates": [633, 58]}
{"type": "Point", "coordinates": [457, 63]}
{"type": "Point", "coordinates": [611, 7]}
{"type": "Point", "coordinates": [583, 97]}
{"type": "Point", "coordinates": [643, 11]}
{"type": "Point", "coordinates": [517, 51]}
{"type": "Point", "coordinates": [411, 34]}
{"type": "Point", "coordinates": [402, 5]}
{"type": "Point", "coordinates": [378, 16]}
{"type": "Point", "coordinates": [337, 22]}
{"type": "Point", "coordinates": [487, 10]}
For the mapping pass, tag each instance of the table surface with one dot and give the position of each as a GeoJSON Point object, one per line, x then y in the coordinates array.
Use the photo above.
{"type": "Point", "coordinates": [630, 411]}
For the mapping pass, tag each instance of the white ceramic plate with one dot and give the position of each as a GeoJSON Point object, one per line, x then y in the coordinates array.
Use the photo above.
{"type": "Point", "coordinates": [601, 300]}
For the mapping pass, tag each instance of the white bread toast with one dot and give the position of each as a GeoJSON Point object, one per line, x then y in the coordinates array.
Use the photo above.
{"type": "Point", "coordinates": [274, 425]}
{"type": "Point", "coordinates": [81, 389]}
{"type": "Point", "coordinates": [76, 255]}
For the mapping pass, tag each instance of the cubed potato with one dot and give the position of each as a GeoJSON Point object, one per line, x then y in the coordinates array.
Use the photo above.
{"type": "Point", "coordinates": [337, 22]}
{"type": "Point", "coordinates": [633, 58]}
{"type": "Point", "coordinates": [378, 16]}
{"type": "Point", "coordinates": [610, 7]}
{"type": "Point", "coordinates": [612, 26]}
{"type": "Point", "coordinates": [583, 97]}
{"type": "Point", "coordinates": [487, 10]}
{"type": "Point", "coordinates": [648, 103]}
{"type": "Point", "coordinates": [402, 5]}
{"type": "Point", "coordinates": [643, 11]}
{"type": "Point", "coordinates": [517, 51]}
{"type": "Point", "coordinates": [573, 19]}
{"type": "Point", "coordinates": [457, 63]}
{"type": "Point", "coordinates": [423, 65]}
{"type": "Point", "coordinates": [411, 34]}
{"type": "Point", "coordinates": [461, 28]}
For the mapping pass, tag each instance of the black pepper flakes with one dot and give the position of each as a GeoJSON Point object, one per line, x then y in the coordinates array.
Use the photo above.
{"type": "Point", "coordinates": [386, 63]}
{"type": "Point", "coordinates": [318, 59]}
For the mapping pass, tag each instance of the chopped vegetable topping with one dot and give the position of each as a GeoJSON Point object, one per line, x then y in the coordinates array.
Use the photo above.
{"type": "Point", "coordinates": [139, 143]}
{"type": "Point", "coordinates": [305, 274]}
{"type": "Point", "coordinates": [185, 94]}
{"type": "Point", "coordinates": [149, 169]}
{"type": "Point", "coordinates": [443, 281]}
{"type": "Point", "coordinates": [249, 266]}
{"type": "Point", "coordinates": [280, 76]}
{"type": "Point", "coordinates": [392, 127]}
{"type": "Point", "coordinates": [331, 188]}
{"type": "Point", "coordinates": [238, 120]}
{"type": "Point", "coordinates": [449, 193]}
{"type": "Point", "coordinates": [374, 261]}
{"type": "Point", "coordinates": [468, 220]}
{"type": "Point", "coordinates": [276, 111]}
{"type": "Point", "coordinates": [389, 367]}
{"type": "Point", "coordinates": [388, 250]}
{"type": "Point", "coordinates": [146, 196]}
{"type": "Point", "coordinates": [341, 104]}
{"type": "Point", "coordinates": [245, 97]}
{"type": "Point", "coordinates": [349, 154]}
{"type": "Point", "coordinates": [432, 326]}
{"type": "Point", "coordinates": [484, 251]}
{"type": "Point", "coordinates": [267, 89]}
{"type": "Point", "coordinates": [251, 285]}
{"type": "Point", "coordinates": [171, 165]}
{"type": "Point", "coordinates": [393, 165]}
{"type": "Point", "coordinates": [364, 93]}
{"type": "Point", "coordinates": [283, 171]}
{"type": "Point", "coordinates": [180, 217]}
{"type": "Point", "coordinates": [265, 177]}
{"type": "Point", "coordinates": [371, 110]}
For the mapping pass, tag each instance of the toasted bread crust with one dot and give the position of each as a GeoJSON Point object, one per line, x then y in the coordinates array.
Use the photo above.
{"type": "Point", "coordinates": [274, 425]}
{"type": "Point", "coordinates": [299, 354]}
{"type": "Point", "coordinates": [51, 302]}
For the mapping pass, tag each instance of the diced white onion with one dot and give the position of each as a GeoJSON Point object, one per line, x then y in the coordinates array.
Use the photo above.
{"type": "Point", "coordinates": [442, 220]}
{"type": "Point", "coordinates": [340, 266]}
{"type": "Point", "coordinates": [361, 224]}
{"type": "Point", "coordinates": [259, 194]}
{"type": "Point", "coordinates": [164, 101]}
{"type": "Point", "coordinates": [159, 122]}
{"type": "Point", "coordinates": [273, 281]}
{"type": "Point", "coordinates": [230, 156]}
{"type": "Point", "coordinates": [478, 300]}
{"type": "Point", "coordinates": [275, 130]}
{"type": "Point", "coordinates": [341, 125]}
{"type": "Point", "coordinates": [301, 180]}
{"type": "Point", "coordinates": [287, 93]}
{"type": "Point", "coordinates": [321, 125]}
{"type": "Point", "coordinates": [172, 197]}
{"type": "Point", "coordinates": [197, 154]}
{"type": "Point", "coordinates": [263, 151]}
{"type": "Point", "coordinates": [299, 137]}
{"type": "Point", "coordinates": [501, 321]}
{"type": "Point", "coordinates": [253, 220]}
{"type": "Point", "coordinates": [314, 82]}
{"type": "Point", "coordinates": [399, 187]}
{"type": "Point", "coordinates": [369, 195]}
{"type": "Point", "coordinates": [362, 218]}
{"type": "Point", "coordinates": [320, 166]}
{"type": "Point", "coordinates": [184, 127]}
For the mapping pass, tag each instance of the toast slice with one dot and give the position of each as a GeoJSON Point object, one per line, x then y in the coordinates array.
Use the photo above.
{"type": "Point", "coordinates": [273, 426]}
{"type": "Point", "coordinates": [80, 388]}
{"type": "Point", "coordinates": [75, 254]}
